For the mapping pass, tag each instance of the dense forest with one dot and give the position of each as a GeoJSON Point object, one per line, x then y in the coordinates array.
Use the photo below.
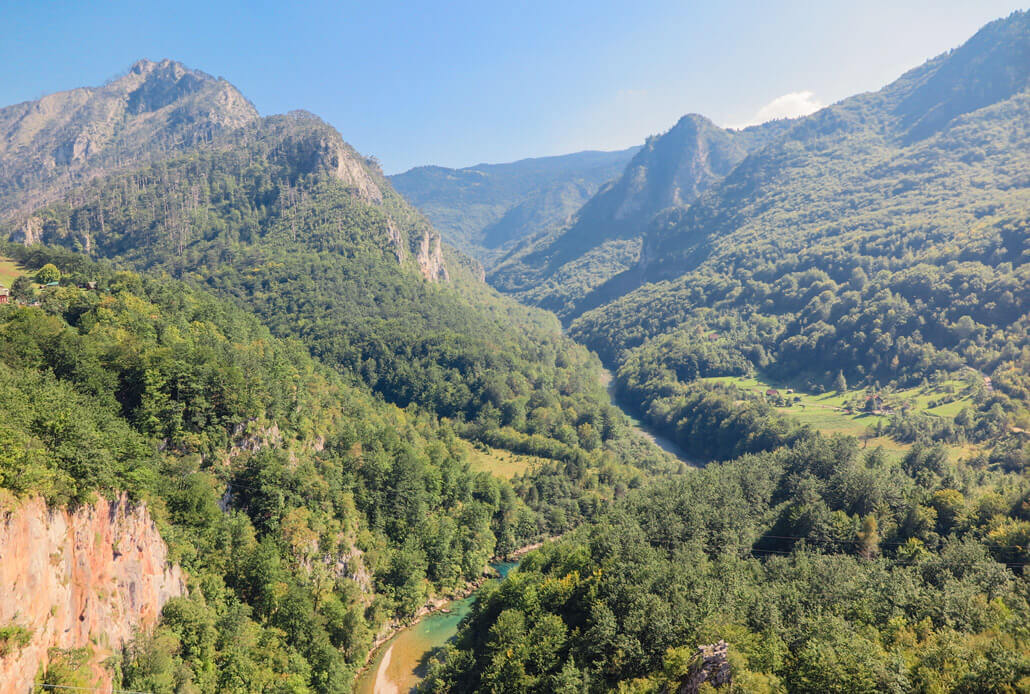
{"type": "Point", "coordinates": [874, 251]}
{"type": "Point", "coordinates": [306, 511]}
{"type": "Point", "coordinates": [238, 321]}
{"type": "Point", "coordinates": [824, 568]}
{"type": "Point", "coordinates": [298, 408]}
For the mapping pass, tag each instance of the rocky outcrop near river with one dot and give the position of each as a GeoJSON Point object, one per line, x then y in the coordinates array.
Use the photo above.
{"type": "Point", "coordinates": [83, 579]}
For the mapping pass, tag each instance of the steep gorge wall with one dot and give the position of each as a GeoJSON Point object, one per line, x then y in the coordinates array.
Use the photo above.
{"type": "Point", "coordinates": [88, 578]}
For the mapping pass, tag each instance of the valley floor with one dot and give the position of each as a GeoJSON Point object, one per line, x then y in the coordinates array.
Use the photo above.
{"type": "Point", "coordinates": [666, 444]}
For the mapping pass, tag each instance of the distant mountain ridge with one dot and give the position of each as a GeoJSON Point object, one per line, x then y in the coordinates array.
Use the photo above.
{"type": "Point", "coordinates": [697, 183]}
{"type": "Point", "coordinates": [924, 128]}
{"type": "Point", "coordinates": [488, 208]}
{"type": "Point", "coordinates": [603, 238]}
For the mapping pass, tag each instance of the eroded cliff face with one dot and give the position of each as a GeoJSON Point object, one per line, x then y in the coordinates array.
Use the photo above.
{"type": "Point", "coordinates": [345, 165]}
{"type": "Point", "coordinates": [430, 257]}
{"type": "Point", "coordinates": [84, 579]}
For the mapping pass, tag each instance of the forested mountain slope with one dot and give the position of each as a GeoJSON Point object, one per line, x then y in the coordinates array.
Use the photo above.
{"type": "Point", "coordinates": [942, 147]}
{"type": "Point", "coordinates": [244, 400]}
{"type": "Point", "coordinates": [556, 270]}
{"type": "Point", "coordinates": [295, 379]}
{"type": "Point", "coordinates": [487, 209]}
{"type": "Point", "coordinates": [816, 568]}
{"type": "Point", "coordinates": [861, 244]}
{"type": "Point", "coordinates": [283, 216]}
{"type": "Point", "coordinates": [875, 248]}
{"type": "Point", "coordinates": [305, 511]}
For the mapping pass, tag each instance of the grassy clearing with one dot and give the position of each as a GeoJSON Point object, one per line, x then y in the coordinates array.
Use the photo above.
{"type": "Point", "coordinates": [9, 270]}
{"type": "Point", "coordinates": [829, 412]}
{"type": "Point", "coordinates": [500, 463]}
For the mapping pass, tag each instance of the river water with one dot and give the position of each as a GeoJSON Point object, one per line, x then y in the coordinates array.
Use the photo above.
{"type": "Point", "coordinates": [396, 668]}
{"type": "Point", "coordinates": [666, 444]}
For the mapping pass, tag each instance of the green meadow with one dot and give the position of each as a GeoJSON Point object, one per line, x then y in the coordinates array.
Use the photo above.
{"type": "Point", "coordinates": [842, 413]}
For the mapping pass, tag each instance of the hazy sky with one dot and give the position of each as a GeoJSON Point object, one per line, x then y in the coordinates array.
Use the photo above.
{"type": "Point", "coordinates": [457, 83]}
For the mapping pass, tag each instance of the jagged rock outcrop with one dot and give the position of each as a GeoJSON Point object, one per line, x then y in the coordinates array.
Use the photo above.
{"type": "Point", "coordinates": [311, 144]}
{"type": "Point", "coordinates": [430, 257]}
{"type": "Point", "coordinates": [89, 578]}
{"type": "Point", "coordinates": [346, 166]}
{"type": "Point", "coordinates": [711, 664]}
{"type": "Point", "coordinates": [396, 239]}
{"type": "Point", "coordinates": [29, 232]}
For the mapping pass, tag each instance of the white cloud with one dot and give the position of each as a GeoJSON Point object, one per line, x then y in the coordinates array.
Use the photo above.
{"type": "Point", "coordinates": [790, 105]}
{"type": "Point", "coordinates": [630, 94]}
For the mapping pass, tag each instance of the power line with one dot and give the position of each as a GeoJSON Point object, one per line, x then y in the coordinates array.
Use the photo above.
{"type": "Point", "coordinates": [895, 562]}
{"type": "Point", "coordinates": [882, 543]}
{"type": "Point", "coordinates": [89, 689]}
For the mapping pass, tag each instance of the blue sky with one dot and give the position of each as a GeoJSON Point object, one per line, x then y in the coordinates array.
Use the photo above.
{"type": "Point", "coordinates": [457, 83]}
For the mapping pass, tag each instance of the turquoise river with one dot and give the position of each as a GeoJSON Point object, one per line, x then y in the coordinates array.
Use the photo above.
{"type": "Point", "coordinates": [396, 668]}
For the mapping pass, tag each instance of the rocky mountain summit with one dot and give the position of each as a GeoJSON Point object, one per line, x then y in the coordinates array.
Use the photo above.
{"type": "Point", "coordinates": [156, 108]}
{"type": "Point", "coordinates": [142, 134]}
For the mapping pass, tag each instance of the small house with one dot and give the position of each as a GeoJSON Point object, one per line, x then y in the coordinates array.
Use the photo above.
{"type": "Point", "coordinates": [5, 294]}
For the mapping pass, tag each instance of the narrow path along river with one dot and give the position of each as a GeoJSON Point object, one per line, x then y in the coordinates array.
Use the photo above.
{"type": "Point", "coordinates": [666, 444]}
{"type": "Point", "coordinates": [396, 668]}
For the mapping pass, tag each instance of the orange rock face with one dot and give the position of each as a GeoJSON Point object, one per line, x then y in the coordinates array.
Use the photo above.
{"type": "Point", "coordinates": [88, 578]}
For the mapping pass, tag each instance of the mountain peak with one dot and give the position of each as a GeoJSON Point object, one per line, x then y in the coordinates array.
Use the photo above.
{"type": "Point", "coordinates": [152, 108]}
{"type": "Point", "coordinates": [145, 66]}
{"type": "Point", "coordinates": [165, 71]}
{"type": "Point", "coordinates": [151, 86]}
{"type": "Point", "coordinates": [696, 120]}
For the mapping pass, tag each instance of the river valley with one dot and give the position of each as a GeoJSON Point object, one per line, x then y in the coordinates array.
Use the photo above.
{"type": "Point", "coordinates": [666, 444]}
{"type": "Point", "coordinates": [397, 667]}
